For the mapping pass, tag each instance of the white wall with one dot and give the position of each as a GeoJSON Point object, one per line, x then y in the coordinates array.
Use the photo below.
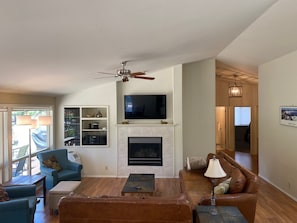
{"type": "Point", "coordinates": [94, 159]}
{"type": "Point", "coordinates": [199, 108]}
{"type": "Point", "coordinates": [277, 143]}
{"type": "Point", "coordinates": [168, 81]}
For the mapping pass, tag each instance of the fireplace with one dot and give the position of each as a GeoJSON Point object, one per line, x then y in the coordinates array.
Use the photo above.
{"type": "Point", "coordinates": [145, 151]}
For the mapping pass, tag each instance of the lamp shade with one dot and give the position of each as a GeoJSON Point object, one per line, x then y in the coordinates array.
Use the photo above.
{"type": "Point", "coordinates": [45, 120]}
{"type": "Point", "coordinates": [23, 120]}
{"type": "Point", "coordinates": [214, 169]}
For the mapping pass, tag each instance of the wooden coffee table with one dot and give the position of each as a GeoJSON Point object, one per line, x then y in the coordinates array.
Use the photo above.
{"type": "Point", "coordinates": [140, 183]}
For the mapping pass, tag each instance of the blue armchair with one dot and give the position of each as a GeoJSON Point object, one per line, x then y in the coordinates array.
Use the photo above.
{"type": "Point", "coordinates": [69, 170]}
{"type": "Point", "coordinates": [21, 205]}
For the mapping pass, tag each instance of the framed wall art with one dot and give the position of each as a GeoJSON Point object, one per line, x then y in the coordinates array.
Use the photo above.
{"type": "Point", "coordinates": [288, 115]}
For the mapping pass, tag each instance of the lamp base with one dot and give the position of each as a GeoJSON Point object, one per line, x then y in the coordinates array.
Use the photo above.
{"type": "Point", "coordinates": [213, 209]}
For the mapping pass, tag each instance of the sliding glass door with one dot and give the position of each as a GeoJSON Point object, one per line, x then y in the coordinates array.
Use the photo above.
{"type": "Point", "coordinates": [30, 134]}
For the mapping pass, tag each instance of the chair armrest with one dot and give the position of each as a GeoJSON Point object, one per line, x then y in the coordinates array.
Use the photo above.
{"type": "Point", "coordinates": [14, 205]}
{"type": "Point", "coordinates": [48, 171]}
{"type": "Point", "coordinates": [21, 191]}
{"type": "Point", "coordinates": [74, 166]}
{"type": "Point", "coordinates": [15, 211]}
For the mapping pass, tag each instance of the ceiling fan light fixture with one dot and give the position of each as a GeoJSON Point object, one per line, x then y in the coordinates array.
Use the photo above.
{"type": "Point", "coordinates": [123, 72]}
{"type": "Point", "coordinates": [125, 79]}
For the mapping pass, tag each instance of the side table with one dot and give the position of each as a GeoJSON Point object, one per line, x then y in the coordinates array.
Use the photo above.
{"type": "Point", "coordinates": [33, 179]}
{"type": "Point", "coordinates": [228, 214]}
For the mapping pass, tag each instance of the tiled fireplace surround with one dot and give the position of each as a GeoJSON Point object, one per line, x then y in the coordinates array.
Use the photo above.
{"type": "Point", "coordinates": [153, 130]}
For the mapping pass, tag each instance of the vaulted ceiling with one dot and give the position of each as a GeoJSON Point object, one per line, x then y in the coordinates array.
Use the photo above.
{"type": "Point", "coordinates": [58, 47]}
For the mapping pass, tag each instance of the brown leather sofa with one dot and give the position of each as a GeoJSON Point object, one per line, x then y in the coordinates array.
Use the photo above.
{"type": "Point", "coordinates": [195, 190]}
{"type": "Point", "coordinates": [244, 187]}
{"type": "Point", "coordinates": [77, 209]}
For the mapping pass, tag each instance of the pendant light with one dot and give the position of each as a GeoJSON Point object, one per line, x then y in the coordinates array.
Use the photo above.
{"type": "Point", "coordinates": [235, 90]}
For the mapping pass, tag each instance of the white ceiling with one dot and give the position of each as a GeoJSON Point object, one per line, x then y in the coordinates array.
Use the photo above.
{"type": "Point", "coordinates": [57, 47]}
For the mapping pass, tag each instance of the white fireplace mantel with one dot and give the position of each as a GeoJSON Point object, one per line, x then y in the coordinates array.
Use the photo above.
{"type": "Point", "coordinates": [166, 131]}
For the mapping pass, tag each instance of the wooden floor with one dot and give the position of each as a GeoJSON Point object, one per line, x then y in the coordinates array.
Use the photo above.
{"type": "Point", "coordinates": [272, 207]}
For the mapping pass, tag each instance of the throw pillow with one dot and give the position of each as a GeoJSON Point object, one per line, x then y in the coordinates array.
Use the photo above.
{"type": "Point", "coordinates": [3, 194]}
{"type": "Point", "coordinates": [223, 187]}
{"type": "Point", "coordinates": [52, 163]}
{"type": "Point", "coordinates": [237, 182]}
{"type": "Point", "coordinates": [194, 163]}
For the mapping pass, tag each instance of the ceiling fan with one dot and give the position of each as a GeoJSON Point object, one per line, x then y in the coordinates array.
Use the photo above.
{"type": "Point", "coordinates": [125, 73]}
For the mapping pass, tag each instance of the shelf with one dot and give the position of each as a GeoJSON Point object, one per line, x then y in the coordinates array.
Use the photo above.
{"type": "Point", "coordinates": [83, 126]}
{"type": "Point", "coordinates": [93, 119]}
{"type": "Point", "coordinates": [146, 125]}
{"type": "Point", "coordinates": [94, 130]}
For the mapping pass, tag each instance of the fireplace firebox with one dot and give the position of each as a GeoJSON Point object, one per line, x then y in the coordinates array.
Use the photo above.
{"type": "Point", "coordinates": [145, 151]}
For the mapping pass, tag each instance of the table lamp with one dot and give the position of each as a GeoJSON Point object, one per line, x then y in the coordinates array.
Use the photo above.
{"type": "Point", "coordinates": [214, 171]}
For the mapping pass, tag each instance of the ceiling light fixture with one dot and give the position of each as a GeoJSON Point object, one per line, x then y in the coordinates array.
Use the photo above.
{"type": "Point", "coordinates": [235, 90]}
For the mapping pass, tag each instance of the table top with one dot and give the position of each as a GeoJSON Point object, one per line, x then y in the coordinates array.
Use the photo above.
{"type": "Point", "coordinates": [140, 183]}
{"type": "Point", "coordinates": [228, 214]}
{"type": "Point", "coordinates": [33, 179]}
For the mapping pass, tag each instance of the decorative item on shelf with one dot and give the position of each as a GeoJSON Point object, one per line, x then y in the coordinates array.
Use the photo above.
{"type": "Point", "coordinates": [99, 114]}
{"type": "Point", "coordinates": [235, 90]}
{"type": "Point", "coordinates": [164, 122]}
{"type": "Point", "coordinates": [214, 171]}
{"type": "Point", "coordinates": [95, 125]}
{"type": "Point", "coordinates": [125, 122]}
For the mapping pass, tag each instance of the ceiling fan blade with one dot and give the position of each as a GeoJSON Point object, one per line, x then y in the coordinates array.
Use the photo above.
{"type": "Point", "coordinates": [143, 77]}
{"type": "Point", "coordinates": [137, 73]}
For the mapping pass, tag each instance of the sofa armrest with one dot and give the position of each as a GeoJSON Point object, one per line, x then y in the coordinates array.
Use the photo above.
{"type": "Point", "coordinates": [245, 202]}
{"type": "Point", "coordinates": [74, 166]}
{"type": "Point", "coordinates": [21, 191]}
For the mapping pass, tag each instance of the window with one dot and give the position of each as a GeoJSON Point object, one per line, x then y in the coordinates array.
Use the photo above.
{"type": "Point", "coordinates": [242, 116]}
{"type": "Point", "coordinates": [30, 134]}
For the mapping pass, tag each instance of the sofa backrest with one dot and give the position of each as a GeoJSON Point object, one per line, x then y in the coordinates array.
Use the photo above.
{"type": "Point", "coordinates": [124, 209]}
{"type": "Point", "coordinates": [251, 185]}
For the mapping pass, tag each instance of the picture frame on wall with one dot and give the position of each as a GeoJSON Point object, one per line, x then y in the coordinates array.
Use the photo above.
{"type": "Point", "coordinates": [288, 115]}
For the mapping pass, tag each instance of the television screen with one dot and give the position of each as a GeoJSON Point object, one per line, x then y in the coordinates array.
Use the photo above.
{"type": "Point", "coordinates": [145, 106]}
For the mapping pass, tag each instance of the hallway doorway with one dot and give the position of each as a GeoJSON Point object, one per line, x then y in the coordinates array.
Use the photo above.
{"type": "Point", "coordinates": [242, 123]}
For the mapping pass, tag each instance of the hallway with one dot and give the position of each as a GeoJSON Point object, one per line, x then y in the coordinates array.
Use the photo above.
{"type": "Point", "coordinates": [245, 159]}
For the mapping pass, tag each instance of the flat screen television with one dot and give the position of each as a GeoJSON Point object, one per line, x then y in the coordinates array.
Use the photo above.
{"type": "Point", "coordinates": [145, 106]}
